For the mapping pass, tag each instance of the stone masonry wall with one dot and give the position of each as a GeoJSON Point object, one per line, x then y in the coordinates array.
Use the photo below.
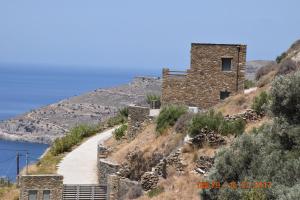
{"type": "Point", "coordinates": [105, 167]}
{"type": "Point", "coordinates": [54, 183]}
{"type": "Point", "coordinates": [137, 116]}
{"type": "Point", "coordinates": [201, 84]}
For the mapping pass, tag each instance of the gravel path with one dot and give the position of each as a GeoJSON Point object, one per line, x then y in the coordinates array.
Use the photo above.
{"type": "Point", "coordinates": [80, 165]}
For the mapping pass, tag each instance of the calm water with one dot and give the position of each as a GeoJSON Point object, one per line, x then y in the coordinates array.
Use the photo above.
{"type": "Point", "coordinates": [26, 88]}
{"type": "Point", "coordinates": [9, 149]}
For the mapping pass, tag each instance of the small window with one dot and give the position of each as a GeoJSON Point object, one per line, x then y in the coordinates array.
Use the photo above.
{"type": "Point", "coordinates": [32, 195]}
{"type": "Point", "coordinates": [226, 64]}
{"type": "Point", "coordinates": [46, 195]}
{"type": "Point", "coordinates": [224, 95]}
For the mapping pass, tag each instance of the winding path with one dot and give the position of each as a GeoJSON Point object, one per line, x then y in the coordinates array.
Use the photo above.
{"type": "Point", "coordinates": [80, 165]}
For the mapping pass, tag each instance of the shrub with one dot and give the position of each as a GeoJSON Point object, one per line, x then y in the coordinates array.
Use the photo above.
{"type": "Point", "coordinates": [124, 112]}
{"type": "Point", "coordinates": [119, 133]}
{"type": "Point", "coordinates": [285, 97]}
{"type": "Point", "coordinates": [168, 116]}
{"type": "Point", "coordinates": [120, 118]}
{"type": "Point", "coordinates": [74, 137]}
{"type": "Point", "coordinates": [270, 155]}
{"type": "Point", "coordinates": [153, 97]}
{"type": "Point", "coordinates": [281, 57]}
{"type": "Point", "coordinates": [260, 102]}
{"type": "Point", "coordinates": [254, 194]}
{"type": "Point", "coordinates": [249, 84]}
{"type": "Point", "coordinates": [286, 67]}
{"type": "Point", "coordinates": [156, 191]}
{"type": "Point", "coordinates": [215, 122]}
{"type": "Point", "coordinates": [182, 124]}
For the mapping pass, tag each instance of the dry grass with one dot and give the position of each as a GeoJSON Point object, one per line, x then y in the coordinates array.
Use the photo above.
{"type": "Point", "coordinates": [266, 79]}
{"type": "Point", "coordinates": [147, 141]}
{"type": "Point", "coordinates": [182, 186]}
{"type": "Point", "coordinates": [178, 188]}
{"type": "Point", "coordinates": [9, 193]}
{"type": "Point", "coordinates": [240, 102]}
{"type": "Point", "coordinates": [236, 104]}
{"type": "Point", "coordinates": [46, 165]}
{"type": "Point", "coordinates": [257, 124]}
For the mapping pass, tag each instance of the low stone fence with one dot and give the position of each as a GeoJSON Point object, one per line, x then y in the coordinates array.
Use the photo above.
{"type": "Point", "coordinates": [40, 186]}
{"type": "Point", "coordinates": [120, 188]}
{"type": "Point", "coordinates": [249, 116]}
{"type": "Point", "coordinates": [149, 180]}
{"type": "Point", "coordinates": [105, 168]}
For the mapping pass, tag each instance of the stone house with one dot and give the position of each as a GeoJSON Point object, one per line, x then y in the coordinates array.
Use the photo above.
{"type": "Point", "coordinates": [216, 72]}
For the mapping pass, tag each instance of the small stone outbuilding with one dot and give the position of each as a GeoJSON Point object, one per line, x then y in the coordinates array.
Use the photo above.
{"type": "Point", "coordinates": [41, 187]}
{"type": "Point", "coordinates": [217, 71]}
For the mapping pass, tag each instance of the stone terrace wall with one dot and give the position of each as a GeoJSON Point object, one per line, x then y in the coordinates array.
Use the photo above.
{"type": "Point", "coordinates": [203, 82]}
{"type": "Point", "coordinates": [104, 166]}
{"type": "Point", "coordinates": [137, 117]}
{"type": "Point", "coordinates": [54, 183]}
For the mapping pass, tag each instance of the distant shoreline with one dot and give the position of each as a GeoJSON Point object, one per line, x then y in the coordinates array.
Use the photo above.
{"type": "Point", "coordinates": [44, 124]}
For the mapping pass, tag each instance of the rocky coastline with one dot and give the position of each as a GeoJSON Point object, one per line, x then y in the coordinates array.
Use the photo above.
{"type": "Point", "coordinates": [45, 124]}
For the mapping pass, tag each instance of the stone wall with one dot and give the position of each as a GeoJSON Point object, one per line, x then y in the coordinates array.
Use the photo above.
{"type": "Point", "coordinates": [137, 119]}
{"type": "Point", "coordinates": [201, 85]}
{"type": "Point", "coordinates": [105, 167]}
{"type": "Point", "coordinates": [40, 183]}
{"type": "Point", "coordinates": [249, 116]}
{"type": "Point", "coordinates": [119, 187]}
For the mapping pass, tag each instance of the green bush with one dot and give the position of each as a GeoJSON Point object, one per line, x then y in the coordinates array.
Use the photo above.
{"type": "Point", "coordinates": [120, 132]}
{"type": "Point", "coordinates": [285, 97]}
{"type": "Point", "coordinates": [156, 191]}
{"type": "Point", "coordinates": [152, 97]}
{"type": "Point", "coordinates": [281, 57]}
{"type": "Point", "coordinates": [215, 122]}
{"type": "Point", "coordinates": [270, 155]}
{"type": "Point", "coordinates": [168, 116]}
{"type": "Point", "coordinates": [120, 118]}
{"type": "Point", "coordinates": [74, 137]}
{"type": "Point", "coordinates": [123, 112]}
{"type": "Point", "coordinates": [260, 102]}
{"type": "Point", "coordinates": [249, 84]}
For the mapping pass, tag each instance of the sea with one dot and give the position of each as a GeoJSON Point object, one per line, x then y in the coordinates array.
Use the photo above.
{"type": "Point", "coordinates": [23, 88]}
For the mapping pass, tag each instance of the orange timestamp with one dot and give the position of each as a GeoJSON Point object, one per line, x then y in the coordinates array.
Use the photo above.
{"type": "Point", "coordinates": [234, 185]}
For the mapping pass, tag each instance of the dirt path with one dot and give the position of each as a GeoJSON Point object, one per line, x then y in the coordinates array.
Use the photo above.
{"type": "Point", "coordinates": [80, 165]}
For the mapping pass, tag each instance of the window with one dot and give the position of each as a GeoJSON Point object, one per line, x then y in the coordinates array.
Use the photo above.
{"type": "Point", "coordinates": [32, 195]}
{"type": "Point", "coordinates": [46, 195]}
{"type": "Point", "coordinates": [224, 94]}
{"type": "Point", "coordinates": [226, 64]}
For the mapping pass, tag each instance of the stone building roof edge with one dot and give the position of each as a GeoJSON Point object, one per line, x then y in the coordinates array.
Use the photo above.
{"type": "Point", "coordinates": [216, 44]}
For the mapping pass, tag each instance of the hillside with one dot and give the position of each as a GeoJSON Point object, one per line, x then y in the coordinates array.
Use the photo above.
{"type": "Point", "coordinates": [254, 65]}
{"type": "Point", "coordinates": [52, 121]}
{"type": "Point", "coordinates": [234, 152]}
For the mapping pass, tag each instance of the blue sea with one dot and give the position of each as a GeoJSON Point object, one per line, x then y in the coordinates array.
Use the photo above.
{"type": "Point", "coordinates": [23, 88]}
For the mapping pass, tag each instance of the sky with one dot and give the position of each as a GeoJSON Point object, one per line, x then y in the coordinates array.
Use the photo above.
{"type": "Point", "coordinates": [138, 33]}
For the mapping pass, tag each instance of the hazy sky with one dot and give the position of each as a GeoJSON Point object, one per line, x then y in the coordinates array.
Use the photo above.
{"type": "Point", "coordinates": [140, 33]}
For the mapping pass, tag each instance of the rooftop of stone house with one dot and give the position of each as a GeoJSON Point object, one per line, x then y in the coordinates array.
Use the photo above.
{"type": "Point", "coordinates": [198, 44]}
